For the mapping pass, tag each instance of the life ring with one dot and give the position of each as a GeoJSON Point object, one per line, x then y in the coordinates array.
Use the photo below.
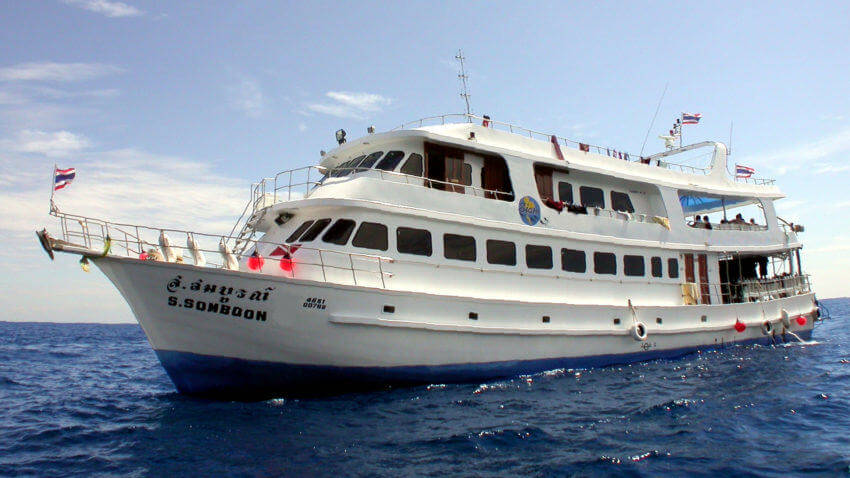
{"type": "Point", "coordinates": [767, 327]}
{"type": "Point", "coordinates": [786, 319]}
{"type": "Point", "coordinates": [639, 331]}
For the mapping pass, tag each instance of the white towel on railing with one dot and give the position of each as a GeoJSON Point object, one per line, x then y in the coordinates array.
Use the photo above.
{"type": "Point", "coordinates": [167, 251]}
{"type": "Point", "coordinates": [228, 260]}
{"type": "Point", "coordinates": [197, 255]}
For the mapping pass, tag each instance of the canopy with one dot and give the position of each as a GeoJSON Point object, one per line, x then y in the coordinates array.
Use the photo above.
{"type": "Point", "coordinates": [701, 204]}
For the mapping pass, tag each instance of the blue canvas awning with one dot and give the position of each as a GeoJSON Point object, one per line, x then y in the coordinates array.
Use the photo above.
{"type": "Point", "coordinates": [698, 204]}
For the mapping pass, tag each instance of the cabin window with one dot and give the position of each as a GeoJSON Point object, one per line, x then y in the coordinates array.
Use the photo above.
{"type": "Point", "coordinates": [344, 168]}
{"type": "Point", "coordinates": [565, 192]}
{"type": "Point", "coordinates": [573, 260]}
{"type": "Point", "coordinates": [303, 227]}
{"type": "Point", "coordinates": [339, 232]}
{"type": "Point", "coordinates": [315, 230]}
{"type": "Point", "coordinates": [370, 160]}
{"type": "Point", "coordinates": [621, 202]}
{"type": "Point", "coordinates": [413, 241]}
{"type": "Point", "coordinates": [634, 266]}
{"type": "Point", "coordinates": [538, 257]}
{"type": "Point", "coordinates": [413, 165]}
{"type": "Point", "coordinates": [604, 263]}
{"type": "Point", "coordinates": [592, 197]}
{"type": "Point", "coordinates": [457, 247]}
{"type": "Point", "coordinates": [371, 235]}
{"type": "Point", "coordinates": [673, 268]}
{"type": "Point", "coordinates": [390, 161]}
{"type": "Point", "coordinates": [656, 265]}
{"type": "Point", "coordinates": [501, 252]}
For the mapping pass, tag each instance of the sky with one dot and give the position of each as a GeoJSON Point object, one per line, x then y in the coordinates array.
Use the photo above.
{"type": "Point", "coordinates": [169, 110]}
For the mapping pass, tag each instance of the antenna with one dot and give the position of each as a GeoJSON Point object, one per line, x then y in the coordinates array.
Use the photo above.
{"type": "Point", "coordinates": [651, 123]}
{"type": "Point", "coordinates": [729, 150]}
{"type": "Point", "coordinates": [463, 77]}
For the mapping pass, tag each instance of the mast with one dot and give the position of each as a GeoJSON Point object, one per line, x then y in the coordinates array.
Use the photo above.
{"type": "Point", "coordinates": [463, 79]}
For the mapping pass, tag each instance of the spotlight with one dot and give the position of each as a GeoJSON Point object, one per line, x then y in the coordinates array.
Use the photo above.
{"type": "Point", "coordinates": [340, 136]}
{"type": "Point", "coordinates": [370, 130]}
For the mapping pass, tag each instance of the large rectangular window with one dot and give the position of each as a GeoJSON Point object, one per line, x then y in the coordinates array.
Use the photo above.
{"type": "Point", "coordinates": [413, 241]}
{"type": "Point", "coordinates": [295, 235]}
{"type": "Point", "coordinates": [592, 197]}
{"type": "Point", "coordinates": [573, 260]}
{"type": "Point", "coordinates": [315, 230]}
{"type": "Point", "coordinates": [673, 268]}
{"type": "Point", "coordinates": [604, 263]}
{"type": "Point", "coordinates": [621, 202]}
{"type": "Point", "coordinates": [634, 266]}
{"type": "Point", "coordinates": [501, 252]}
{"type": "Point", "coordinates": [371, 235]}
{"type": "Point", "coordinates": [457, 247]}
{"type": "Point", "coordinates": [656, 265]}
{"type": "Point", "coordinates": [538, 257]}
{"type": "Point", "coordinates": [339, 232]}
{"type": "Point", "coordinates": [565, 192]}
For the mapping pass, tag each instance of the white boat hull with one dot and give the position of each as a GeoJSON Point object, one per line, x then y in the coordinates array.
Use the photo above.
{"type": "Point", "coordinates": [220, 332]}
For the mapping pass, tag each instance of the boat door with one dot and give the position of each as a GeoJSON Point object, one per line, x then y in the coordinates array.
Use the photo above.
{"type": "Point", "coordinates": [704, 289]}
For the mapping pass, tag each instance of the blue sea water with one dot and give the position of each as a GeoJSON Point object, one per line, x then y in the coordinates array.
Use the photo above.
{"type": "Point", "coordinates": [86, 399]}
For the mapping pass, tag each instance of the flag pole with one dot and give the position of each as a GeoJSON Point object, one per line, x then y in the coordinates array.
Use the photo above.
{"type": "Point", "coordinates": [53, 187]}
{"type": "Point", "coordinates": [681, 128]}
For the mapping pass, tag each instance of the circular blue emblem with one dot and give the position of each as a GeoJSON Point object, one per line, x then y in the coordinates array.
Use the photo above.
{"type": "Point", "coordinates": [529, 210]}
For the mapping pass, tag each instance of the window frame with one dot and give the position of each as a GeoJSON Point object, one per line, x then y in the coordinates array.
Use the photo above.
{"type": "Point", "coordinates": [421, 161]}
{"type": "Point", "coordinates": [587, 189]}
{"type": "Point", "coordinates": [300, 230]}
{"type": "Point", "coordinates": [492, 244]}
{"type": "Point", "coordinates": [561, 196]}
{"type": "Point", "coordinates": [631, 262]}
{"type": "Point", "coordinates": [653, 262]}
{"type": "Point", "coordinates": [457, 256]}
{"type": "Point", "coordinates": [673, 268]}
{"type": "Point", "coordinates": [631, 206]}
{"type": "Point", "coordinates": [320, 225]}
{"type": "Point", "coordinates": [565, 251]}
{"type": "Point", "coordinates": [370, 160]}
{"type": "Point", "coordinates": [346, 234]}
{"type": "Point", "coordinates": [386, 240]}
{"type": "Point", "coordinates": [597, 263]}
{"type": "Point", "coordinates": [430, 249]}
{"type": "Point", "coordinates": [390, 157]}
{"type": "Point", "coordinates": [537, 265]}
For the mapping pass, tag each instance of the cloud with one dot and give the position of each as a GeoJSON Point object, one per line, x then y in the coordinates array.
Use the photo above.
{"type": "Point", "coordinates": [53, 71]}
{"type": "Point", "coordinates": [248, 98]}
{"type": "Point", "coordinates": [345, 104]}
{"type": "Point", "coordinates": [302, 127]}
{"type": "Point", "coordinates": [816, 152]}
{"type": "Point", "coordinates": [106, 7]}
{"type": "Point", "coordinates": [53, 144]}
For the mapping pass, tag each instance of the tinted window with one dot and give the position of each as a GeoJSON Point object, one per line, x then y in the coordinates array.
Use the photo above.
{"type": "Point", "coordinates": [370, 160]}
{"type": "Point", "coordinates": [413, 165]}
{"type": "Point", "coordinates": [565, 192]}
{"type": "Point", "coordinates": [457, 247]}
{"type": "Point", "coordinates": [604, 263]}
{"type": "Point", "coordinates": [673, 268]}
{"type": "Point", "coordinates": [339, 232]}
{"type": "Point", "coordinates": [295, 235]}
{"type": "Point", "coordinates": [621, 202]}
{"type": "Point", "coordinates": [592, 197]}
{"type": "Point", "coordinates": [413, 241]}
{"type": "Point", "coordinates": [390, 161]}
{"type": "Point", "coordinates": [538, 257]}
{"type": "Point", "coordinates": [371, 235]}
{"type": "Point", "coordinates": [573, 260]}
{"type": "Point", "coordinates": [501, 252]}
{"type": "Point", "coordinates": [315, 230]}
{"type": "Point", "coordinates": [634, 266]}
{"type": "Point", "coordinates": [655, 262]}
{"type": "Point", "coordinates": [342, 169]}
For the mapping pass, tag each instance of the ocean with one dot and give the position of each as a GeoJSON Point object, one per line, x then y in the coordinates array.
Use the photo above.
{"type": "Point", "coordinates": [91, 399]}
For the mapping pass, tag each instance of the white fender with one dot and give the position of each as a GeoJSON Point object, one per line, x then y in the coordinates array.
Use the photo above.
{"type": "Point", "coordinates": [167, 251]}
{"type": "Point", "coordinates": [786, 319]}
{"type": "Point", "coordinates": [228, 259]}
{"type": "Point", "coordinates": [767, 327]}
{"type": "Point", "coordinates": [639, 331]}
{"type": "Point", "coordinates": [197, 255]}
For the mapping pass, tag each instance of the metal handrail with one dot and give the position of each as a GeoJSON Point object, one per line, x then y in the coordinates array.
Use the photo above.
{"type": "Point", "coordinates": [128, 238]}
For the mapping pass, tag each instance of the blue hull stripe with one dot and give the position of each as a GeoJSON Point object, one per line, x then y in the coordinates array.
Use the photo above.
{"type": "Point", "coordinates": [208, 375]}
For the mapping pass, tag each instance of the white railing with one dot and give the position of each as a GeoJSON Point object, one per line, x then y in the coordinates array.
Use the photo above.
{"type": "Point", "coordinates": [97, 237]}
{"type": "Point", "coordinates": [756, 181]}
{"type": "Point", "coordinates": [89, 236]}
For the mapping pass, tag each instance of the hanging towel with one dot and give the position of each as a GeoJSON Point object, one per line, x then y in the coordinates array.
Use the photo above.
{"type": "Point", "coordinates": [662, 220]}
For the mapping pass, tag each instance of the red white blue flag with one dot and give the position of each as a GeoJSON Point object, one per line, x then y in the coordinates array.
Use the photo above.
{"type": "Point", "coordinates": [743, 171]}
{"type": "Point", "coordinates": [691, 118]}
{"type": "Point", "coordinates": [63, 177]}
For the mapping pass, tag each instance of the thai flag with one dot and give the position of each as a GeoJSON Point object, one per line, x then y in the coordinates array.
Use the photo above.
{"type": "Point", "coordinates": [691, 118]}
{"type": "Point", "coordinates": [63, 177]}
{"type": "Point", "coordinates": [743, 171]}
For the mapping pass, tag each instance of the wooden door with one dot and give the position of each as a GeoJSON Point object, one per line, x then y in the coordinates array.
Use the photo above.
{"type": "Point", "coordinates": [689, 267]}
{"type": "Point", "coordinates": [704, 288]}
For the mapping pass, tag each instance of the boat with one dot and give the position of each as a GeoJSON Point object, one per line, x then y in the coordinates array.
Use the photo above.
{"type": "Point", "coordinates": [457, 248]}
